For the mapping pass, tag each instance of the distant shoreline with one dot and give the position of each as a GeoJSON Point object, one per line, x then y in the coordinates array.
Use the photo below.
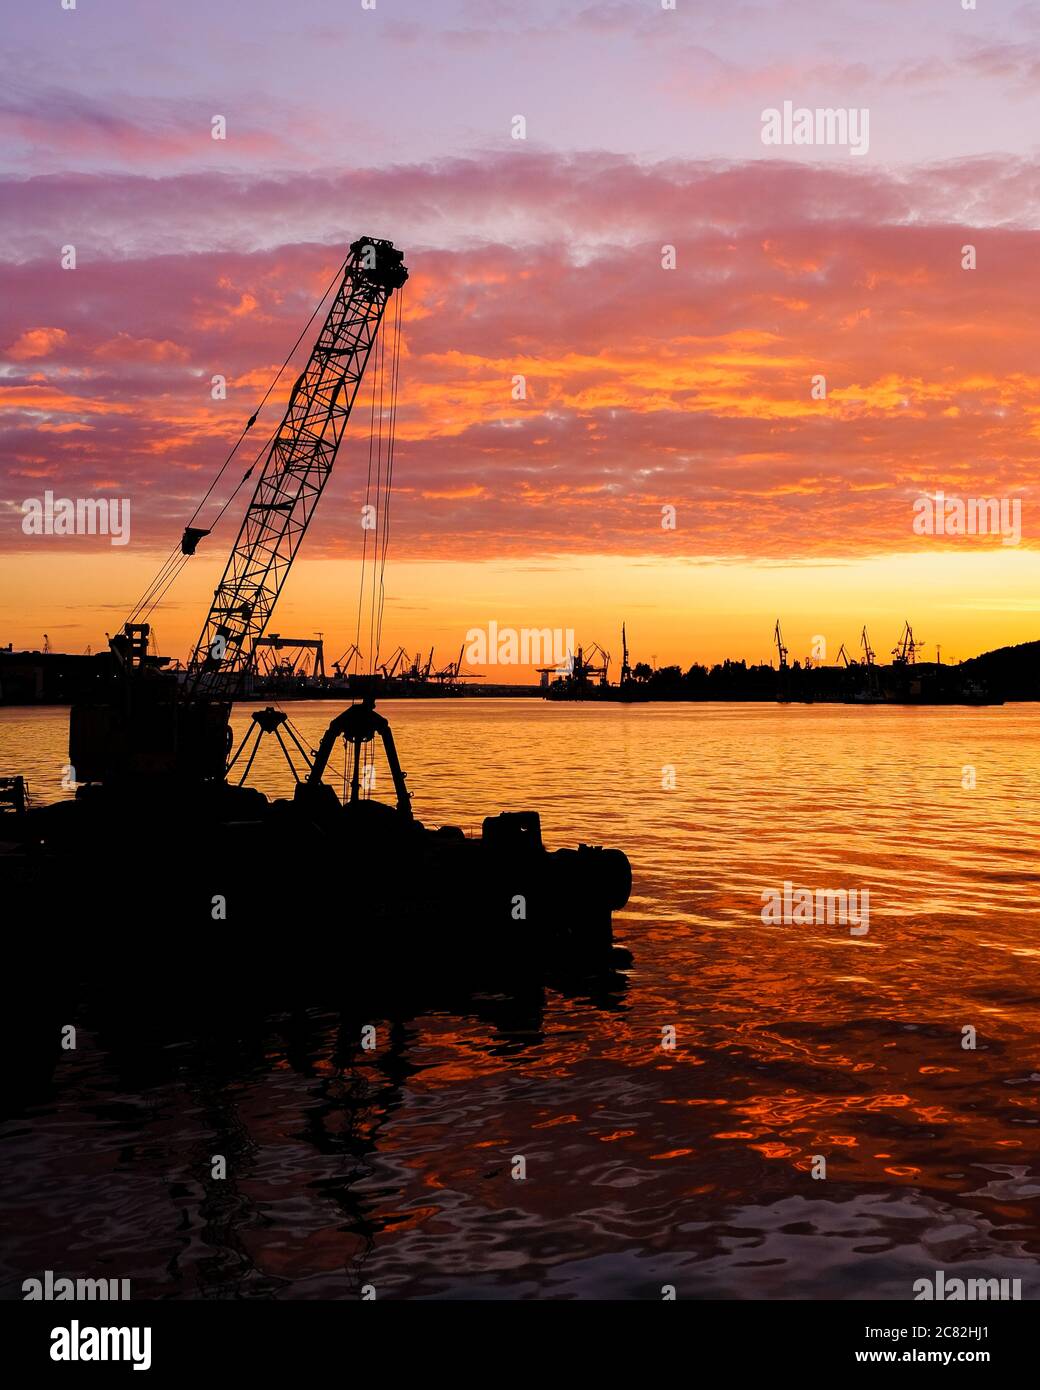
{"type": "Point", "coordinates": [35, 678]}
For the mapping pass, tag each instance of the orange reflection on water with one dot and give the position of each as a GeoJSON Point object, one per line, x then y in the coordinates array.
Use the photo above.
{"type": "Point", "coordinates": [787, 1045]}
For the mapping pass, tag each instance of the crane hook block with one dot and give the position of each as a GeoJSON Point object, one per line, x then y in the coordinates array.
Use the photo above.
{"type": "Point", "coordinates": [190, 539]}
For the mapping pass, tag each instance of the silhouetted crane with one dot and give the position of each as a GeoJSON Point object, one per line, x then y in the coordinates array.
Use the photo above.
{"type": "Point", "coordinates": [905, 653]}
{"type": "Point", "coordinates": [779, 640]}
{"type": "Point", "coordinates": [351, 655]}
{"type": "Point", "coordinates": [292, 665]}
{"type": "Point", "coordinates": [295, 471]}
{"type": "Point", "coordinates": [584, 666]}
{"type": "Point", "coordinates": [390, 665]}
{"type": "Point", "coordinates": [185, 727]}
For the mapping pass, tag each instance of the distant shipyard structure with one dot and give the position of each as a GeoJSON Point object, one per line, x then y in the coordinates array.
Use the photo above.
{"type": "Point", "coordinates": [1009, 673]}
{"type": "Point", "coordinates": [280, 667]}
{"type": "Point", "coordinates": [295, 668]}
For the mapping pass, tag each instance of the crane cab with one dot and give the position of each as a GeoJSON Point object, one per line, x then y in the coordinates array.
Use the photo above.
{"type": "Point", "coordinates": [142, 727]}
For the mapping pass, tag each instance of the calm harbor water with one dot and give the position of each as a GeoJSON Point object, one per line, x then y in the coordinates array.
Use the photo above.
{"type": "Point", "coordinates": [645, 1166]}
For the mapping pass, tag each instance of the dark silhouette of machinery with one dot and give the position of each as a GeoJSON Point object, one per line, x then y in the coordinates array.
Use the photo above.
{"type": "Point", "coordinates": [286, 663]}
{"type": "Point", "coordinates": [582, 670]}
{"type": "Point", "coordinates": [905, 651]}
{"type": "Point", "coordinates": [154, 754]}
{"type": "Point", "coordinates": [159, 725]}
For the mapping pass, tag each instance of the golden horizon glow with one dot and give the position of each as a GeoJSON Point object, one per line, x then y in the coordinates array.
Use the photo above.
{"type": "Point", "coordinates": [676, 612]}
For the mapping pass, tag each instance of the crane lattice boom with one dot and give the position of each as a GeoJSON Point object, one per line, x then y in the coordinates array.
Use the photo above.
{"type": "Point", "coordinates": [296, 469]}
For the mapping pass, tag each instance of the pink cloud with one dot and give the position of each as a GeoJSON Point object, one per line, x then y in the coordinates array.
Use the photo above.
{"type": "Point", "coordinates": [529, 198]}
{"type": "Point", "coordinates": [645, 387]}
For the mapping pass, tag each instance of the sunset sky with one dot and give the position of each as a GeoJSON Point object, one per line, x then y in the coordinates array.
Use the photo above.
{"type": "Point", "coordinates": [646, 387]}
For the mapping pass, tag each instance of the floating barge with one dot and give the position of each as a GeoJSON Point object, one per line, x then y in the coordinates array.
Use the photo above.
{"type": "Point", "coordinates": [200, 886]}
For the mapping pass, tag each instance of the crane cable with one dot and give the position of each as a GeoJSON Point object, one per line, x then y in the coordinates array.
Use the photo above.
{"type": "Point", "coordinates": [381, 377]}
{"type": "Point", "coordinates": [391, 441]}
{"type": "Point", "coordinates": [378, 483]}
{"type": "Point", "coordinates": [379, 552]}
{"type": "Point", "coordinates": [365, 529]}
{"type": "Point", "coordinates": [171, 567]}
{"type": "Point", "coordinates": [182, 558]}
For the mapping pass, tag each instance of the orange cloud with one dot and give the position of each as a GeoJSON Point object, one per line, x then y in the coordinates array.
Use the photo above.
{"type": "Point", "coordinates": [36, 342]}
{"type": "Point", "coordinates": [125, 348]}
{"type": "Point", "coordinates": [644, 387]}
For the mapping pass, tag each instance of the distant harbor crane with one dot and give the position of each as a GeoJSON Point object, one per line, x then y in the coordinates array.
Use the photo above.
{"type": "Point", "coordinates": [905, 653]}
{"type": "Point", "coordinates": [584, 667]}
{"type": "Point", "coordinates": [419, 672]}
{"type": "Point", "coordinates": [388, 667]}
{"type": "Point", "coordinates": [290, 666]}
{"type": "Point", "coordinates": [341, 666]}
{"type": "Point", "coordinates": [779, 640]}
